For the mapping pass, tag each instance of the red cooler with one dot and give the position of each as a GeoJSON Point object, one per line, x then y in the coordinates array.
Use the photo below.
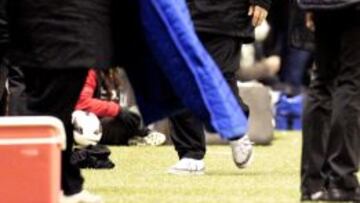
{"type": "Point", "coordinates": [30, 155]}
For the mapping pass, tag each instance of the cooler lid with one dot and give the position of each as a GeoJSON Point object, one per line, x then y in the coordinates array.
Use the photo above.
{"type": "Point", "coordinates": [15, 130]}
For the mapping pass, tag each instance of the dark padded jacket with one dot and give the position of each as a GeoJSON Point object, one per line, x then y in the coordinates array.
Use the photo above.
{"type": "Point", "coordinates": [60, 33]}
{"type": "Point", "coordinates": [4, 32]}
{"type": "Point", "coordinates": [328, 4]}
{"type": "Point", "coordinates": [227, 17]}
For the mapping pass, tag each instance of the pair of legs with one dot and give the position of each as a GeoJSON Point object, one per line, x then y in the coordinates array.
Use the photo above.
{"type": "Point", "coordinates": [117, 132]}
{"type": "Point", "coordinates": [188, 131]}
{"type": "Point", "coordinates": [331, 139]}
{"type": "Point", "coordinates": [54, 92]}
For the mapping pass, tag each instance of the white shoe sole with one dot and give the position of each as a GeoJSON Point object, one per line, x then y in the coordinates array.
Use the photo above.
{"type": "Point", "coordinates": [247, 164]}
{"type": "Point", "coordinates": [185, 172]}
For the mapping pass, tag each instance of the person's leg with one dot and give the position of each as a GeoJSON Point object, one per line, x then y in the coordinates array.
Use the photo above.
{"type": "Point", "coordinates": [317, 114]}
{"type": "Point", "coordinates": [54, 93]}
{"type": "Point", "coordinates": [226, 52]}
{"type": "Point", "coordinates": [115, 132]}
{"type": "Point", "coordinates": [188, 136]}
{"type": "Point", "coordinates": [344, 141]}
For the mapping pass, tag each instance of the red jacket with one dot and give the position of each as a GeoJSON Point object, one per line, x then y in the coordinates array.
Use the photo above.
{"type": "Point", "coordinates": [87, 102]}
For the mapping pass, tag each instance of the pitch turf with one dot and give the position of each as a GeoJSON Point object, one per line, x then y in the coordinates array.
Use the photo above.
{"type": "Point", "coordinates": [140, 175]}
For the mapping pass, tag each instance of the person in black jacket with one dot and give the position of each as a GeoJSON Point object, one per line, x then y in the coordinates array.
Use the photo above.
{"type": "Point", "coordinates": [331, 133]}
{"type": "Point", "coordinates": [53, 43]}
{"type": "Point", "coordinates": [222, 26]}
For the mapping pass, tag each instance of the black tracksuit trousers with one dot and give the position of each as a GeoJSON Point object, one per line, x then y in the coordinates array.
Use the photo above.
{"type": "Point", "coordinates": [188, 132]}
{"type": "Point", "coordinates": [54, 92]}
{"type": "Point", "coordinates": [331, 135]}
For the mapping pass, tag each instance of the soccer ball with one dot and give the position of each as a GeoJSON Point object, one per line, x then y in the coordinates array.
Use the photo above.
{"type": "Point", "coordinates": [87, 128]}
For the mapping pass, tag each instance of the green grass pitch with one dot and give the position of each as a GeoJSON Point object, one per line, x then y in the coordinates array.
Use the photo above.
{"type": "Point", "coordinates": [140, 175]}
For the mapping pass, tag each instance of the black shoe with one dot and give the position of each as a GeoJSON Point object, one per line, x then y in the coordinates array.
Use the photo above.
{"type": "Point", "coordinates": [321, 195]}
{"type": "Point", "coordinates": [337, 194]}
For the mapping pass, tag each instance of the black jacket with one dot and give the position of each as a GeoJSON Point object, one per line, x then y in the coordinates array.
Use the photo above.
{"type": "Point", "coordinates": [228, 17]}
{"type": "Point", "coordinates": [60, 33]}
{"type": "Point", "coordinates": [328, 4]}
{"type": "Point", "coordinates": [4, 32]}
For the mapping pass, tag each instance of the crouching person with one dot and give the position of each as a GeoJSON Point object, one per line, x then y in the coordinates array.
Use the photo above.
{"type": "Point", "coordinates": [120, 126]}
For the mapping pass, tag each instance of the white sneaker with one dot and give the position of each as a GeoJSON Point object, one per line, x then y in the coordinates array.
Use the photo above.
{"type": "Point", "coordinates": [81, 197]}
{"type": "Point", "coordinates": [188, 166]}
{"type": "Point", "coordinates": [153, 138]}
{"type": "Point", "coordinates": [242, 151]}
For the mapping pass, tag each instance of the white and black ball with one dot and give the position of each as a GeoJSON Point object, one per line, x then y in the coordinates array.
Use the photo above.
{"type": "Point", "coordinates": [87, 128]}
